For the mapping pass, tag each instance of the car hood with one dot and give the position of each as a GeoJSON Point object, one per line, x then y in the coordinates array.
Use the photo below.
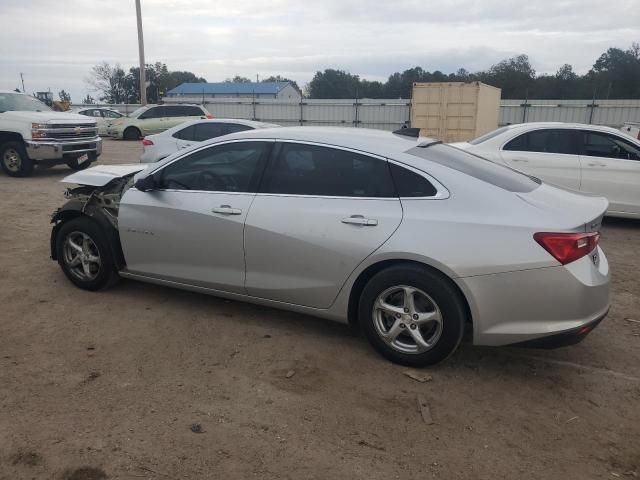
{"type": "Point", "coordinates": [100, 175]}
{"type": "Point", "coordinates": [41, 117]}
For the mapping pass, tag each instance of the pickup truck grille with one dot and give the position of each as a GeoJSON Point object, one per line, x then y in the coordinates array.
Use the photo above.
{"type": "Point", "coordinates": [70, 131]}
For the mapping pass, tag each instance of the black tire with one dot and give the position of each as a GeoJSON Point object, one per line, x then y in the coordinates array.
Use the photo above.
{"type": "Point", "coordinates": [131, 133]}
{"type": "Point", "coordinates": [14, 160]}
{"type": "Point", "coordinates": [449, 306]}
{"type": "Point", "coordinates": [102, 275]}
{"type": "Point", "coordinates": [73, 164]}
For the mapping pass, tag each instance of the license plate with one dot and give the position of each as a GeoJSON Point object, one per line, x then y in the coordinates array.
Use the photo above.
{"type": "Point", "coordinates": [83, 158]}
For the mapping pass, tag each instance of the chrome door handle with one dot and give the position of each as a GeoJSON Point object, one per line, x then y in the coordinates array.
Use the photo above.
{"type": "Point", "coordinates": [226, 210]}
{"type": "Point", "coordinates": [596, 164]}
{"type": "Point", "coordinates": [360, 220]}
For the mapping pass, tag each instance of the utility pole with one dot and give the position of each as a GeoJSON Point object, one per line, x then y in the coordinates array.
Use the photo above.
{"type": "Point", "coordinates": [143, 80]}
{"type": "Point", "coordinates": [22, 79]}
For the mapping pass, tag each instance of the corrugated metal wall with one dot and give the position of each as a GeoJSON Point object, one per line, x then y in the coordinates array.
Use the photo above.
{"type": "Point", "coordinates": [390, 114]}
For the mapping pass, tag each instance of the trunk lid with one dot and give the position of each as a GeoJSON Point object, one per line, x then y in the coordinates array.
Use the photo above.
{"type": "Point", "coordinates": [101, 175]}
{"type": "Point", "coordinates": [569, 209]}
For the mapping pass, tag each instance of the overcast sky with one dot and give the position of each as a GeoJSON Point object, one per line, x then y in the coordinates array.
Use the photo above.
{"type": "Point", "coordinates": [55, 44]}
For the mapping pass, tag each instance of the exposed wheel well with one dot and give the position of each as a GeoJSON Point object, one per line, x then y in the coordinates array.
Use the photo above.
{"type": "Point", "coordinates": [10, 137]}
{"type": "Point", "coordinates": [371, 270]}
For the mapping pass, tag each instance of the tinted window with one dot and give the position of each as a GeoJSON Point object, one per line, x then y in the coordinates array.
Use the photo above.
{"type": "Point", "coordinates": [313, 170]}
{"type": "Point", "coordinates": [232, 167]}
{"type": "Point", "coordinates": [477, 167]}
{"type": "Point", "coordinates": [110, 114]}
{"type": "Point", "coordinates": [185, 133]}
{"type": "Point", "coordinates": [205, 131]}
{"type": "Point", "coordinates": [237, 127]}
{"type": "Point", "coordinates": [95, 113]}
{"type": "Point", "coordinates": [410, 184]}
{"type": "Point", "coordinates": [154, 112]}
{"type": "Point", "coordinates": [597, 144]}
{"type": "Point", "coordinates": [547, 141]}
{"type": "Point", "coordinates": [183, 111]}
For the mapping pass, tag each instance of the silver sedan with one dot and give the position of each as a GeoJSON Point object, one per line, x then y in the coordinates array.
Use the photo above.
{"type": "Point", "coordinates": [411, 240]}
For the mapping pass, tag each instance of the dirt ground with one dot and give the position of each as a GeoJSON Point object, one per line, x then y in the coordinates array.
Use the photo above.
{"type": "Point", "coordinates": [142, 381]}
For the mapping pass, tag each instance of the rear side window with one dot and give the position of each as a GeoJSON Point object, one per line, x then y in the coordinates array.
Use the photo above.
{"type": "Point", "coordinates": [205, 131]}
{"type": "Point", "coordinates": [237, 127]}
{"type": "Point", "coordinates": [185, 133]}
{"type": "Point", "coordinates": [477, 167]}
{"type": "Point", "coordinates": [154, 112]}
{"type": "Point", "coordinates": [546, 141]}
{"type": "Point", "coordinates": [410, 184]}
{"type": "Point", "coordinates": [302, 169]}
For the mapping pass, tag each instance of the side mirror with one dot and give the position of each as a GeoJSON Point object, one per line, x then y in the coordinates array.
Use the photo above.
{"type": "Point", "coordinates": [145, 184]}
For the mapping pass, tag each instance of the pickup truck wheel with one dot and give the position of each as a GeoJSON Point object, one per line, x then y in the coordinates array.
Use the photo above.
{"type": "Point", "coordinates": [14, 160]}
{"type": "Point", "coordinates": [84, 254]}
{"type": "Point", "coordinates": [131, 133]}
{"type": "Point", "coordinates": [73, 164]}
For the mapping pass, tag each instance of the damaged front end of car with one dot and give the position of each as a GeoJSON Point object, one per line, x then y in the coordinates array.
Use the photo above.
{"type": "Point", "coordinates": [97, 197]}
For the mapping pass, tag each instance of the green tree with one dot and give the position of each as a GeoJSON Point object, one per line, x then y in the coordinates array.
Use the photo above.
{"type": "Point", "coordinates": [278, 78]}
{"type": "Point", "coordinates": [88, 100]}
{"type": "Point", "coordinates": [238, 79]}
{"type": "Point", "coordinates": [333, 84]}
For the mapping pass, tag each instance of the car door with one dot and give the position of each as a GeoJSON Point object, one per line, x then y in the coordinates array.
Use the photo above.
{"type": "Point", "coordinates": [150, 121]}
{"type": "Point", "coordinates": [551, 154]}
{"type": "Point", "coordinates": [611, 167]}
{"type": "Point", "coordinates": [185, 137]}
{"type": "Point", "coordinates": [109, 117]}
{"type": "Point", "coordinates": [189, 229]}
{"type": "Point", "coordinates": [320, 211]}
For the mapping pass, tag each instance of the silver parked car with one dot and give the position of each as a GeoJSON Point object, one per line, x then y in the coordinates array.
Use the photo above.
{"type": "Point", "coordinates": [412, 240]}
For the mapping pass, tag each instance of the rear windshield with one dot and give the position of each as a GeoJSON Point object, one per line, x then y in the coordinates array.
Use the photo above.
{"type": "Point", "coordinates": [487, 136]}
{"type": "Point", "coordinates": [477, 167]}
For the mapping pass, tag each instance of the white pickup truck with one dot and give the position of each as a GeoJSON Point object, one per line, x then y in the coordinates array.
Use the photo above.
{"type": "Point", "coordinates": [32, 134]}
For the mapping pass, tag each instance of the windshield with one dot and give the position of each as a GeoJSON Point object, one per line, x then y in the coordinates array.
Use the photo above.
{"type": "Point", "coordinates": [10, 102]}
{"type": "Point", "coordinates": [136, 113]}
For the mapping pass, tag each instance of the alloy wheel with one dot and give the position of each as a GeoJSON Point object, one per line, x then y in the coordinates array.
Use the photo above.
{"type": "Point", "coordinates": [82, 256]}
{"type": "Point", "coordinates": [407, 319]}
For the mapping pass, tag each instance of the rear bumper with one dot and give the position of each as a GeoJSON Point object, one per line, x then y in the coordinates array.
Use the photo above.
{"type": "Point", "coordinates": [526, 305]}
{"type": "Point", "coordinates": [563, 339]}
{"type": "Point", "coordinates": [62, 150]}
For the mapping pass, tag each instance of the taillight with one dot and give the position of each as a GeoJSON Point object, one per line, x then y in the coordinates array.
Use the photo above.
{"type": "Point", "coordinates": [209, 116]}
{"type": "Point", "coordinates": [146, 142]}
{"type": "Point", "coordinates": [567, 247]}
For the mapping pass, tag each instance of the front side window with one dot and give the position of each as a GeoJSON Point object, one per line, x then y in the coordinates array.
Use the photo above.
{"type": "Point", "coordinates": [599, 144]}
{"type": "Point", "coordinates": [95, 113]}
{"type": "Point", "coordinates": [154, 112]}
{"type": "Point", "coordinates": [550, 140]}
{"type": "Point", "coordinates": [302, 169]}
{"type": "Point", "coordinates": [231, 167]}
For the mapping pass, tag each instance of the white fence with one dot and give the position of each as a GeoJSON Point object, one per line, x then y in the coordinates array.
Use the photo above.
{"type": "Point", "coordinates": [390, 114]}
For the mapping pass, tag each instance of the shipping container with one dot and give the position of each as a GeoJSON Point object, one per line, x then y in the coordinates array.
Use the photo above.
{"type": "Point", "coordinates": [455, 111]}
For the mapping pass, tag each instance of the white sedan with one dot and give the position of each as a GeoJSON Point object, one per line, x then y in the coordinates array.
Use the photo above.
{"type": "Point", "coordinates": [159, 146]}
{"type": "Point", "coordinates": [588, 158]}
{"type": "Point", "coordinates": [103, 116]}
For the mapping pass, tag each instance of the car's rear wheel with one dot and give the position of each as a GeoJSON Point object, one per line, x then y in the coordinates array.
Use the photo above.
{"type": "Point", "coordinates": [84, 255]}
{"type": "Point", "coordinates": [131, 133]}
{"type": "Point", "coordinates": [412, 315]}
{"type": "Point", "coordinates": [14, 160]}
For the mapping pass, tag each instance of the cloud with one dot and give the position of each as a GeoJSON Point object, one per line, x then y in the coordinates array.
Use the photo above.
{"type": "Point", "coordinates": [56, 46]}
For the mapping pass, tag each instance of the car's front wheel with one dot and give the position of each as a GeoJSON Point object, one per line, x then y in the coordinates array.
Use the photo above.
{"type": "Point", "coordinates": [84, 254]}
{"type": "Point", "coordinates": [14, 160]}
{"type": "Point", "coordinates": [412, 315]}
